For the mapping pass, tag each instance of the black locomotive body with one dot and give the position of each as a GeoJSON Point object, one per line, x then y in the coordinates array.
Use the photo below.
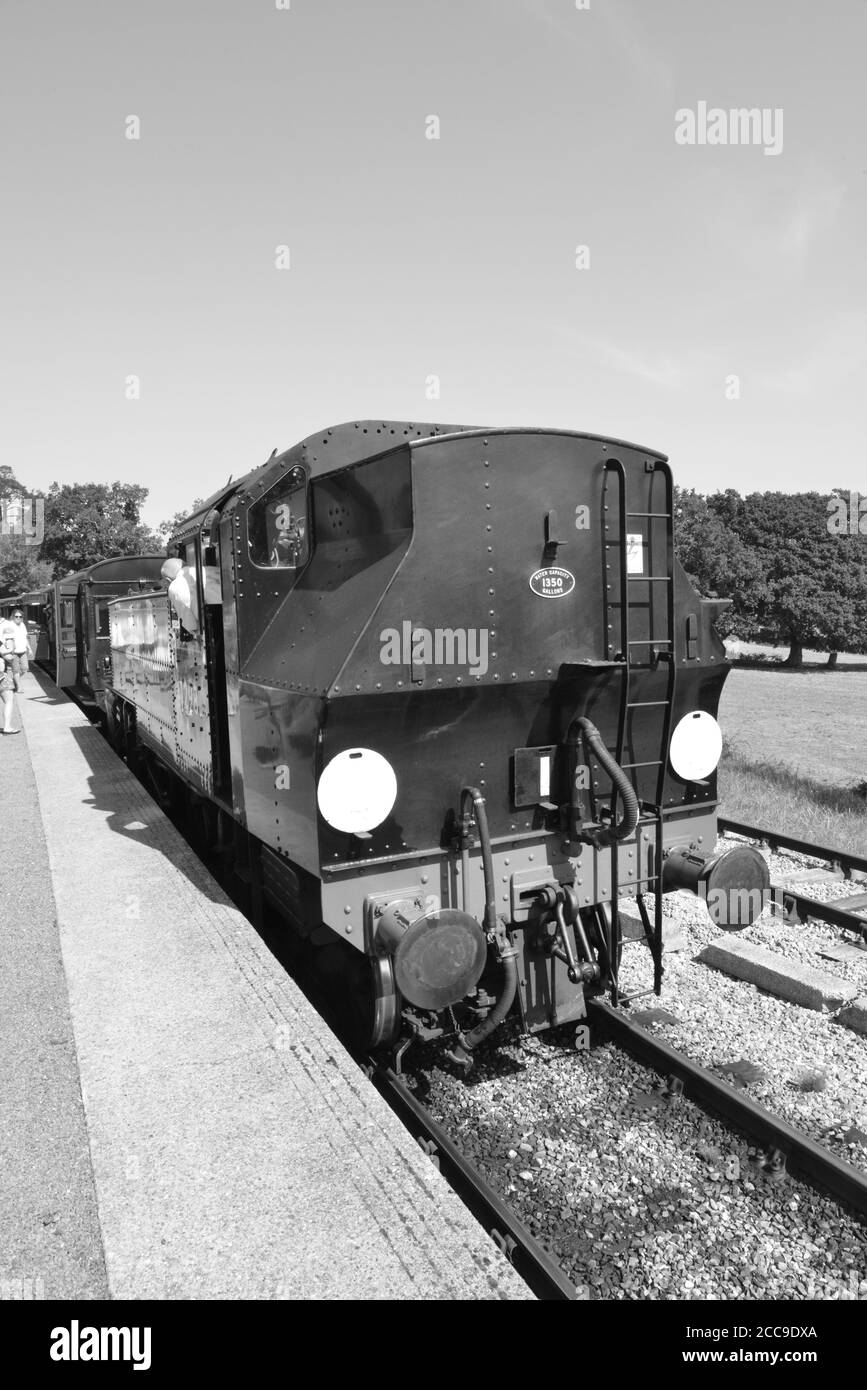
{"type": "Point", "coordinates": [447, 696]}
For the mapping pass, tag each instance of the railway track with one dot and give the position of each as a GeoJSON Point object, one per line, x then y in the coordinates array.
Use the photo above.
{"type": "Point", "coordinates": [797, 908]}
{"type": "Point", "coordinates": [536, 1267]}
{"type": "Point", "coordinates": [788, 1149]}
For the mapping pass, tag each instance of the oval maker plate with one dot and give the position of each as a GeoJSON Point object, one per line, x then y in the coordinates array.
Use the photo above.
{"type": "Point", "coordinates": [552, 582]}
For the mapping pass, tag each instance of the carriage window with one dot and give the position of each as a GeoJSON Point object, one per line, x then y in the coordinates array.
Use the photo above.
{"type": "Point", "coordinates": [102, 628]}
{"type": "Point", "coordinates": [66, 619]}
{"type": "Point", "coordinates": [277, 524]}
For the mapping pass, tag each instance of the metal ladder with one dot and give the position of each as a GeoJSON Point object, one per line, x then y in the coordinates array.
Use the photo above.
{"type": "Point", "coordinates": [660, 648]}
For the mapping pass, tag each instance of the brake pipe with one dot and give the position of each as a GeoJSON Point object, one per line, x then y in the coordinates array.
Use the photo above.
{"type": "Point", "coordinates": [609, 835]}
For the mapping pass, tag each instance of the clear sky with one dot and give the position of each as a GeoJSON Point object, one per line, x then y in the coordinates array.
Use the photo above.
{"type": "Point", "coordinates": [412, 257]}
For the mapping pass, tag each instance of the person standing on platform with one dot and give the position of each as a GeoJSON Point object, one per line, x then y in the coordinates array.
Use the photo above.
{"type": "Point", "coordinates": [21, 648]}
{"type": "Point", "coordinates": [7, 691]}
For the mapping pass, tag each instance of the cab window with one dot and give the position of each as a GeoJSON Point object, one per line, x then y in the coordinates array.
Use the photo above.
{"type": "Point", "coordinates": [102, 628]}
{"type": "Point", "coordinates": [277, 527]}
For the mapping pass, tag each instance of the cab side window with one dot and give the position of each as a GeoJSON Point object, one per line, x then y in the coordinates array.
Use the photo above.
{"type": "Point", "coordinates": [277, 525]}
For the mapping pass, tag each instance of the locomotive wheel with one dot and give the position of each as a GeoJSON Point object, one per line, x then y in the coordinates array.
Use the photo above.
{"type": "Point", "coordinates": [161, 782]}
{"type": "Point", "coordinates": [113, 727]}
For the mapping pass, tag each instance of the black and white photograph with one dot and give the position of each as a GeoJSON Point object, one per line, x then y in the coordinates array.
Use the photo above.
{"type": "Point", "coordinates": [433, 664]}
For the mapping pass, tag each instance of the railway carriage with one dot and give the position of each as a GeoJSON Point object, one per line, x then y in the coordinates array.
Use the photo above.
{"type": "Point", "coordinates": [75, 617]}
{"type": "Point", "coordinates": [444, 696]}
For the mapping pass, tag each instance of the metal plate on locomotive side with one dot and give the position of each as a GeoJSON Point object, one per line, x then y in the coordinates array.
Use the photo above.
{"type": "Point", "coordinates": [552, 582]}
{"type": "Point", "coordinates": [535, 772]}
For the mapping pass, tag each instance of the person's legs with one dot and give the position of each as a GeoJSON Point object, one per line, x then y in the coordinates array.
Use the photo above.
{"type": "Point", "coordinates": [16, 673]}
{"type": "Point", "coordinates": [8, 698]}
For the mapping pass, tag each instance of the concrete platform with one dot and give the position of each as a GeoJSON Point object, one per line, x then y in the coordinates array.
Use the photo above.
{"type": "Point", "coordinates": [788, 979]}
{"type": "Point", "coordinates": [236, 1149]}
{"type": "Point", "coordinates": [50, 1241]}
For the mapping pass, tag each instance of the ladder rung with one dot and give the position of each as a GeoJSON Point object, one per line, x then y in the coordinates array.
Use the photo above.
{"type": "Point", "coordinates": [665, 514]}
{"type": "Point", "coordinates": [645, 704]}
{"type": "Point", "coordinates": [650, 642]}
{"type": "Point", "coordinates": [656, 762]}
{"type": "Point", "coordinates": [648, 578]}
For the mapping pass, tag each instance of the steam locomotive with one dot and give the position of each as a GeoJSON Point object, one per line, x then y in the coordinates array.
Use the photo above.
{"type": "Point", "coordinates": [442, 696]}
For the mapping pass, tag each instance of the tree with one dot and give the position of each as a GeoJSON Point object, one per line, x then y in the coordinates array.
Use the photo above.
{"type": "Point", "coordinates": [814, 583]}
{"type": "Point", "coordinates": [86, 522]}
{"type": "Point", "coordinates": [167, 528]}
{"type": "Point", "coordinates": [10, 487]}
{"type": "Point", "coordinates": [20, 569]}
{"type": "Point", "coordinates": [718, 562]}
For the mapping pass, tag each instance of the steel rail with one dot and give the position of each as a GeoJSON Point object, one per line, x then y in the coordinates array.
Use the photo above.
{"type": "Point", "coordinates": [798, 907]}
{"type": "Point", "coordinates": [839, 857]}
{"type": "Point", "coordinates": [535, 1266]}
{"type": "Point", "coordinates": [803, 1154]}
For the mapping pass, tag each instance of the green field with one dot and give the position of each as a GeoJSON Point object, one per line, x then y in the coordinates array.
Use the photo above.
{"type": "Point", "coordinates": [795, 751]}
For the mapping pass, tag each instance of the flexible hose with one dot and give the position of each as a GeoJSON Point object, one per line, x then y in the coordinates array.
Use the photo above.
{"type": "Point", "coordinates": [629, 820]}
{"type": "Point", "coordinates": [510, 984]}
{"type": "Point", "coordinates": [508, 955]}
{"type": "Point", "coordinates": [473, 794]}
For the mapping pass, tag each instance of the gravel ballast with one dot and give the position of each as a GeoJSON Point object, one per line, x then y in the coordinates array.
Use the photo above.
{"type": "Point", "coordinates": [636, 1198]}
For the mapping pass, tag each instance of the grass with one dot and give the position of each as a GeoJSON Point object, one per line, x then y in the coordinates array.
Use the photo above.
{"type": "Point", "coordinates": [795, 754]}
